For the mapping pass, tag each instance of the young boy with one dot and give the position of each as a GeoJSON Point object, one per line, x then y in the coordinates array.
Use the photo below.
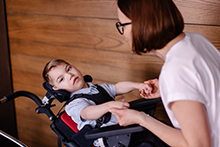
{"type": "Point", "coordinates": [61, 75]}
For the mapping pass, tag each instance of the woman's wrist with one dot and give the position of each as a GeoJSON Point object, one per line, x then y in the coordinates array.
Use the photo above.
{"type": "Point", "coordinates": [143, 119]}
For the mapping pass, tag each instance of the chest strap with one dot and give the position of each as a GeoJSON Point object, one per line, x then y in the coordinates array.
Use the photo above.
{"type": "Point", "coordinates": [98, 98]}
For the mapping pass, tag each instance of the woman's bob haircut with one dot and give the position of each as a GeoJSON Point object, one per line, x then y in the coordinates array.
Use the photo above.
{"type": "Point", "coordinates": [154, 23]}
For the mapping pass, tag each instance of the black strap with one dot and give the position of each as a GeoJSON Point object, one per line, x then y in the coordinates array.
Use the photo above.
{"type": "Point", "coordinates": [103, 120]}
{"type": "Point", "coordinates": [69, 100]}
{"type": "Point", "coordinates": [59, 141]}
{"type": "Point", "coordinates": [99, 98]}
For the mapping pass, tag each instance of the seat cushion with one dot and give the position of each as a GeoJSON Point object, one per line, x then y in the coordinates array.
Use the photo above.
{"type": "Point", "coordinates": [69, 122]}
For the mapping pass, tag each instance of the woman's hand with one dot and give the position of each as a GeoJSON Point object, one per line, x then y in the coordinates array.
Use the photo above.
{"type": "Point", "coordinates": [155, 93]}
{"type": "Point", "coordinates": [127, 116]}
{"type": "Point", "coordinates": [94, 112]}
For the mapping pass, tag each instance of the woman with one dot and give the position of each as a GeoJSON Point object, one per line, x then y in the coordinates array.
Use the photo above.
{"type": "Point", "coordinates": [189, 82]}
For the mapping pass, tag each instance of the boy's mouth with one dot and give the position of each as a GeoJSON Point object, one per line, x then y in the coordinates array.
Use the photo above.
{"type": "Point", "coordinates": [75, 80]}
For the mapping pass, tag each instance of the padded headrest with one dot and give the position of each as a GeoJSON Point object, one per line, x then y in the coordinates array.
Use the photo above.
{"type": "Point", "coordinates": [61, 95]}
{"type": "Point", "coordinates": [87, 78]}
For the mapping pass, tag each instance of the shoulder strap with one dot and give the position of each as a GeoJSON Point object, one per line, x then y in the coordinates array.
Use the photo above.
{"type": "Point", "coordinates": [99, 98]}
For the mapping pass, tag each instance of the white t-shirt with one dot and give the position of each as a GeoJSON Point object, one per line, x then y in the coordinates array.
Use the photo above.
{"type": "Point", "coordinates": [192, 72]}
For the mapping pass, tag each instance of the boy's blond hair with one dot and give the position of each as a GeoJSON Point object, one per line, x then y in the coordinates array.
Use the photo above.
{"type": "Point", "coordinates": [53, 63]}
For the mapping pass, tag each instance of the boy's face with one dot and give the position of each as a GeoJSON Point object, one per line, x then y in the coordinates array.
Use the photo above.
{"type": "Point", "coordinates": [66, 77]}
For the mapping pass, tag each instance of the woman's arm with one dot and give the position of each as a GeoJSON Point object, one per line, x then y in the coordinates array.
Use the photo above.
{"type": "Point", "coordinates": [192, 117]}
{"type": "Point", "coordinates": [94, 112]}
{"type": "Point", "coordinates": [193, 120]}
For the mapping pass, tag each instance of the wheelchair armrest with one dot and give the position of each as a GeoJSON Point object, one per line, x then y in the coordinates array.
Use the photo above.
{"type": "Point", "coordinates": [113, 130]}
{"type": "Point", "coordinates": [143, 103]}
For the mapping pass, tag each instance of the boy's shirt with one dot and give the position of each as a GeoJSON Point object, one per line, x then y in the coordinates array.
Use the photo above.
{"type": "Point", "coordinates": [74, 108]}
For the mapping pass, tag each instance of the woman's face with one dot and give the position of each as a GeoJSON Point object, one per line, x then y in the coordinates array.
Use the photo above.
{"type": "Point", "coordinates": [127, 28]}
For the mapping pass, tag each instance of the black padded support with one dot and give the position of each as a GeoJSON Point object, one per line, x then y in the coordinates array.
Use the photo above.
{"type": "Point", "coordinates": [61, 129]}
{"type": "Point", "coordinates": [146, 105]}
{"type": "Point", "coordinates": [112, 131]}
{"type": "Point", "coordinates": [143, 104]}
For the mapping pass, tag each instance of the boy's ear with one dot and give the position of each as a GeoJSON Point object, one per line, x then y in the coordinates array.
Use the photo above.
{"type": "Point", "coordinates": [55, 88]}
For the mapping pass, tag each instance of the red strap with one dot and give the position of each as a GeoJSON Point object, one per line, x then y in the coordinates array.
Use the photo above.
{"type": "Point", "coordinates": [69, 122]}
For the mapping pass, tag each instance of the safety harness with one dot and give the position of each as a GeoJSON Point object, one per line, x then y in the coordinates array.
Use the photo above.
{"type": "Point", "coordinates": [98, 98]}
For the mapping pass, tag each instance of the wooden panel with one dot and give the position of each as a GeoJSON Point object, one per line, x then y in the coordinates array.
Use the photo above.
{"type": "Point", "coordinates": [196, 11]}
{"type": "Point", "coordinates": [83, 8]}
{"type": "Point", "coordinates": [32, 136]}
{"type": "Point", "coordinates": [111, 62]}
{"type": "Point", "coordinates": [81, 32]}
{"type": "Point", "coordinates": [200, 11]}
{"type": "Point", "coordinates": [78, 32]}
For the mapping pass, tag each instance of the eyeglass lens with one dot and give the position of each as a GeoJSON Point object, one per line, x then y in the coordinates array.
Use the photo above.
{"type": "Point", "coordinates": [120, 27]}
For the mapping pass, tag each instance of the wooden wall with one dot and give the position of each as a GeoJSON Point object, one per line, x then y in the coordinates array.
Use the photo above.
{"type": "Point", "coordinates": [83, 32]}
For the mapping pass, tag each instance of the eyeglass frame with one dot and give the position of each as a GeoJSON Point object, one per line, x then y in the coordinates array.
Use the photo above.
{"type": "Point", "coordinates": [119, 24]}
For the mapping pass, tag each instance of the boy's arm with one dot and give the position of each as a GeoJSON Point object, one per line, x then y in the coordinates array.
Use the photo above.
{"type": "Point", "coordinates": [94, 112]}
{"type": "Point", "coordinates": [127, 86]}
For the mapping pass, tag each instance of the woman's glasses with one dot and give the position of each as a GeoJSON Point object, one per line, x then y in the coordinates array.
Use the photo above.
{"type": "Point", "coordinates": [120, 27]}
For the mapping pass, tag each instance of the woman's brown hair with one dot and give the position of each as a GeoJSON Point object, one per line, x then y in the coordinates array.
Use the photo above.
{"type": "Point", "coordinates": [154, 23]}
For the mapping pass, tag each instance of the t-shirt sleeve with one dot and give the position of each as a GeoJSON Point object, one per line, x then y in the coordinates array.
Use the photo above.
{"type": "Point", "coordinates": [74, 108]}
{"type": "Point", "coordinates": [110, 88]}
{"type": "Point", "coordinates": [185, 84]}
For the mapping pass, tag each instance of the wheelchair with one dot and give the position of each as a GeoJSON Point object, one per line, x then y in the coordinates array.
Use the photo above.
{"type": "Point", "coordinates": [70, 136]}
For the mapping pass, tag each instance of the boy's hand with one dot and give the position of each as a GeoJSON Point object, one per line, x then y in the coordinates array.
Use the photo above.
{"type": "Point", "coordinates": [118, 104]}
{"type": "Point", "coordinates": [145, 89]}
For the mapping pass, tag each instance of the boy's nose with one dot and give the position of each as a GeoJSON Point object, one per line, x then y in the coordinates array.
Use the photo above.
{"type": "Point", "coordinates": [71, 75]}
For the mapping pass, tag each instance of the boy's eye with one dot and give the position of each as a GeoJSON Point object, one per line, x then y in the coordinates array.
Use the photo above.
{"type": "Point", "coordinates": [61, 79]}
{"type": "Point", "coordinates": [68, 69]}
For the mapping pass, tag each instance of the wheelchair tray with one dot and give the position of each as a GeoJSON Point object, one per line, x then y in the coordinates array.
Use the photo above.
{"type": "Point", "coordinates": [112, 131]}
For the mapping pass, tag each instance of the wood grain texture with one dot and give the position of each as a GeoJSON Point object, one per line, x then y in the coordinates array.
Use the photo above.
{"type": "Point", "coordinates": [194, 11]}
{"type": "Point", "coordinates": [203, 12]}
{"type": "Point", "coordinates": [83, 33]}
{"type": "Point", "coordinates": [82, 8]}
{"type": "Point", "coordinates": [35, 133]}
